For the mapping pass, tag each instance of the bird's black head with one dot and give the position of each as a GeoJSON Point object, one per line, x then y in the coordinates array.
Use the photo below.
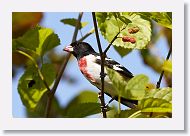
{"type": "Point", "coordinates": [79, 49]}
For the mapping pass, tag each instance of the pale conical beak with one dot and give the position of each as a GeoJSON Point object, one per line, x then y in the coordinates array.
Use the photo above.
{"type": "Point", "coordinates": [68, 48]}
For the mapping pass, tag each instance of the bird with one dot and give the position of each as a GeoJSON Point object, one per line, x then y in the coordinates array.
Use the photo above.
{"type": "Point", "coordinates": [89, 62]}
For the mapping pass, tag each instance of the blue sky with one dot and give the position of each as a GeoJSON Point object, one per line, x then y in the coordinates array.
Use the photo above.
{"type": "Point", "coordinates": [66, 91]}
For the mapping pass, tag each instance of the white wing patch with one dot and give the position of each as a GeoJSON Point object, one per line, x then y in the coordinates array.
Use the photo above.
{"type": "Point", "coordinates": [115, 67]}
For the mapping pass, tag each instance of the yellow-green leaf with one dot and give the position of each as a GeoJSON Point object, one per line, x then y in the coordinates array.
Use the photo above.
{"type": "Point", "coordinates": [73, 21]}
{"type": "Point", "coordinates": [39, 40]}
{"type": "Point", "coordinates": [161, 93]}
{"type": "Point", "coordinates": [167, 66]}
{"type": "Point", "coordinates": [111, 23]}
{"type": "Point", "coordinates": [133, 89]}
{"type": "Point", "coordinates": [31, 88]}
{"type": "Point", "coordinates": [162, 18]}
{"type": "Point", "coordinates": [154, 105]}
{"type": "Point", "coordinates": [84, 104]}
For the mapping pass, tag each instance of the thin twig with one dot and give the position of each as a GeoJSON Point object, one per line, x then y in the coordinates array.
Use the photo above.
{"type": "Point", "coordinates": [86, 35]}
{"type": "Point", "coordinates": [102, 74]}
{"type": "Point", "coordinates": [36, 65]}
{"type": "Point", "coordinates": [162, 73]}
{"type": "Point", "coordinates": [62, 69]}
{"type": "Point", "coordinates": [105, 51]}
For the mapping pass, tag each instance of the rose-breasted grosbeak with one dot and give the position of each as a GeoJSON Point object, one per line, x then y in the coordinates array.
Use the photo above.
{"type": "Point", "coordinates": [89, 63]}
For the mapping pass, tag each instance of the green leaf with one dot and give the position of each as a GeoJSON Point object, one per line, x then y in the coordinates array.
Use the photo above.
{"type": "Point", "coordinates": [73, 21]}
{"type": "Point", "coordinates": [110, 24]}
{"type": "Point", "coordinates": [83, 109]}
{"type": "Point", "coordinates": [85, 96]}
{"type": "Point", "coordinates": [31, 88]}
{"type": "Point", "coordinates": [38, 40]}
{"type": "Point", "coordinates": [40, 109]}
{"type": "Point", "coordinates": [133, 89]}
{"type": "Point", "coordinates": [154, 105]}
{"type": "Point", "coordinates": [122, 51]}
{"type": "Point", "coordinates": [162, 93]}
{"type": "Point", "coordinates": [162, 18]}
{"type": "Point", "coordinates": [30, 40]}
{"type": "Point", "coordinates": [161, 115]}
{"type": "Point", "coordinates": [131, 113]}
{"type": "Point", "coordinates": [84, 104]}
{"type": "Point", "coordinates": [167, 66]}
{"type": "Point", "coordinates": [136, 87]}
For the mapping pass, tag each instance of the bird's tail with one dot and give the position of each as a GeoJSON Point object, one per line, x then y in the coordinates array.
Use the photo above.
{"type": "Point", "coordinates": [129, 103]}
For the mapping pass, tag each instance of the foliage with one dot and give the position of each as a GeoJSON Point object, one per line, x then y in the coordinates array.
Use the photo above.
{"type": "Point", "coordinates": [162, 18]}
{"type": "Point", "coordinates": [157, 100]}
{"type": "Point", "coordinates": [38, 40]}
{"type": "Point", "coordinates": [73, 21]}
{"type": "Point", "coordinates": [167, 66]}
{"type": "Point", "coordinates": [84, 104]}
{"type": "Point", "coordinates": [133, 89]}
{"type": "Point", "coordinates": [111, 23]}
{"type": "Point", "coordinates": [135, 32]}
{"type": "Point", "coordinates": [21, 23]}
{"type": "Point", "coordinates": [31, 88]}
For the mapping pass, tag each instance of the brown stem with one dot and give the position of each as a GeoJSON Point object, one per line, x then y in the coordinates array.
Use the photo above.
{"type": "Point", "coordinates": [162, 73]}
{"type": "Point", "coordinates": [102, 74]}
{"type": "Point", "coordinates": [62, 69]}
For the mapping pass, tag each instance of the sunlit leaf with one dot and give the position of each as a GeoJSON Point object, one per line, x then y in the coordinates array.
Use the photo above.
{"type": "Point", "coordinates": [40, 109]}
{"type": "Point", "coordinates": [162, 18]}
{"type": "Point", "coordinates": [136, 87]}
{"type": "Point", "coordinates": [84, 104]}
{"type": "Point", "coordinates": [150, 86]}
{"type": "Point", "coordinates": [162, 93]}
{"type": "Point", "coordinates": [38, 40]}
{"type": "Point", "coordinates": [122, 51]}
{"type": "Point", "coordinates": [85, 96]}
{"type": "Point", "coordinates": [73, 22]}
{"type": "Point", "coordinates": [82, 110]}
{"type": "Point", "coordinates": [167, 66]}
{"type": "Point", "coordinates": [131, 113]}
{"type": "Point", "coordinates": [110, 24]}
{"type": "Point", "coordinates": [154, 105]}
{"type": "Point", "coordinates": [31, 88]}
{"type": "Point", "coordinates": [133, 89]}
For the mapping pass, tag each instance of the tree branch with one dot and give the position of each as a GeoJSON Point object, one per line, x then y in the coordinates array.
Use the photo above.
{"type": "Point", "coordinates": [62, 69]}
{"type": "Point", "coordinates": [162, 73]}
{"type": "Point", "coordinates": [102, 74]}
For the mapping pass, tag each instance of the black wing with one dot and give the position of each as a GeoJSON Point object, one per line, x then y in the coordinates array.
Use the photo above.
{"type": "Point", "coordinates": [110, 63]}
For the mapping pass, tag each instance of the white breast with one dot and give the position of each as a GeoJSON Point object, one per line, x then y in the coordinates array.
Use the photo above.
{"type": "Point", "coordinates": [94, 69]}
